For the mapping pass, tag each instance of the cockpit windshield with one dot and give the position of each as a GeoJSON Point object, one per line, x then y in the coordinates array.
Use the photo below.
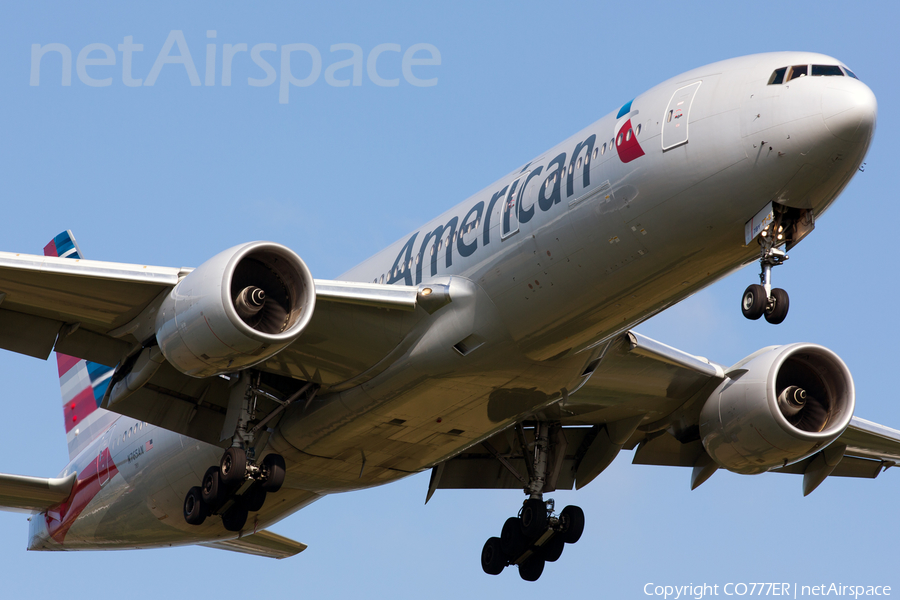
{"type": "Point", "coordinates": [784, 74]}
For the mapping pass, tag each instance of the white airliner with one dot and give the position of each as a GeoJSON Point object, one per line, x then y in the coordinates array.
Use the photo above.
{"type": "Point", "coordinates": [493, 345]}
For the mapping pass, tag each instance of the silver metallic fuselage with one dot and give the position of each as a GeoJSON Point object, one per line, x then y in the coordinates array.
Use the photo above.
{"type": "Point", "coordinates": [537, 282]}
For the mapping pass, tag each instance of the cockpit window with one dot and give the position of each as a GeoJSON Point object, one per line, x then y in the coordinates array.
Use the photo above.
{"type": "Point", "coordinates": [798, 71]}
{"type": "Point", "coordinates": [832, 70]}
{"type": "Point", "coordinates": [778, 76]}
{"type": "Point", "coordinates": [788, 73]}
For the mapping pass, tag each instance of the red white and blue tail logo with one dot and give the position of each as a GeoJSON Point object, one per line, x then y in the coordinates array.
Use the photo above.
{"type": "Point", "coordinates": [82, 383]}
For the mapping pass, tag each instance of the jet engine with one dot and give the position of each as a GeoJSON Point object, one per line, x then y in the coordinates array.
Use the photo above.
{"type": "Point", "coordinates": [237, 309]}
{"type": "Point", "coordinates": [777, 406]}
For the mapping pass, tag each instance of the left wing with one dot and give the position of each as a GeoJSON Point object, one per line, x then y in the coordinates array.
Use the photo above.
{"type": "Point", "coordinates": [641, 394]}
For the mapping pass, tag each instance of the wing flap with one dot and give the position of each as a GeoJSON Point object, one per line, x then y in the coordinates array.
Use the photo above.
{"type": "Point", "coordinates": [24, 493]}
{"type": "Point", "coordinates": [27, 334]}
{"type": "Point", "coordinates": [262, 543]}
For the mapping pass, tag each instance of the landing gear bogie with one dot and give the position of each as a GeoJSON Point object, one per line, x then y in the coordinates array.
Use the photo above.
{"type": "Point", "coordinates": [233, 489]}
{"type": "Point", "coordinates": [528, 548]}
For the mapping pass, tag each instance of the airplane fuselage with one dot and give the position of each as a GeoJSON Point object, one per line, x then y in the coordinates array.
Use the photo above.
{"type": "Point", "coordinates": [627, 217]}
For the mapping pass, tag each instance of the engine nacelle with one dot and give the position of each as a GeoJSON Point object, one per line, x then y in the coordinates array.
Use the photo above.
{"type": "Point", "coordinates": [779, 405]}
{"type": "Point", "coordinates": [237, 309]}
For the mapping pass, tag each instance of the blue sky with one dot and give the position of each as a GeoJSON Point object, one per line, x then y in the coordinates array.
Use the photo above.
{"type": "Point", "coordinates": [171, 174]}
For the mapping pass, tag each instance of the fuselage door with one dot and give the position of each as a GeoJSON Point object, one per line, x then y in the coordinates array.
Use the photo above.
{"type": "Point", "coordinates": [103, 459]}
{"type": "Point", "coordinates": [675, 121]}
{"type": "Point", "coordinates": [510, 212]}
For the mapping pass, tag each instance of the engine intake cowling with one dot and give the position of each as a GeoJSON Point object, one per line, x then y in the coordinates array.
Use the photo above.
{"type": "Point", "coordinates": [237, 309]}
{"type": "Point", "coordinates": [778, 405]}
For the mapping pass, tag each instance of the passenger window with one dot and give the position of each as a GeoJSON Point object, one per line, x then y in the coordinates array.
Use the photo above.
{"type": "Point", "coordinates": [603, 150]}
{"type": "Point", "coordinates": [638, 130]}
{"type": "Point", "coordinates": [778, 76]}
{"type": "Point", "coordinates": [798, 71]}
{"type": "Point", "coordinates": [578, 166]}
{"type": "Point", "coordinates": [628, 135]}
{"type": "Point", "coordinates": [619, 140]}
{"type": "Point", "coordinates": [596, 152]}
{"type": "Point", "coordinates": [827, 70]}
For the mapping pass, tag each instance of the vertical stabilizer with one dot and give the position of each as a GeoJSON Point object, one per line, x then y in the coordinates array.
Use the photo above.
{"type": "Point", "coordinates": [81, 382]}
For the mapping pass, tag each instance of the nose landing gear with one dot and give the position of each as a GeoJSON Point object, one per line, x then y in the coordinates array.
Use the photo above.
{"type": "Point", "coordinates": [762, 299]}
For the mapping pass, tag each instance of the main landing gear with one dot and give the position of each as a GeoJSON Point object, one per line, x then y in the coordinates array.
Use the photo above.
{"type": "Point", "coordinates": [537, 535]}
{"type": "Point", "coordinates": [239, 485]}
{"type": "Point", "coordinates": [762, 299]}
{"type": "Point", "coordinates": [233, 489]}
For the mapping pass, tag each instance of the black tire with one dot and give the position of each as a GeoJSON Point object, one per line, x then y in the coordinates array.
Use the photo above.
{"type": "Point", "coordinates": [777, 307]}
{"type": "Point", "coordinates": [531, 568]}
{"type": "Point", "coordinates": [512, 540]}
{"type": "Point", "coordinates": [210, 488]}
{"type": "Point", "coordinates": [493, 560]}
{"type": "Point", "coordinates": [233, 467]}
{"type": "Point", "coordinates": [572, 518]}
{"type": "Point", "coordinates": [553, 548]}
{"type": "Point", "coordinates": [534, 518]}
{"type": "Point", "coordinates": [194, 508]}
{"type": "Point", "coordinates": [753, 302]}
{"type": "Point", "coordinates": [254, 498]}
{"type": "Point", "coordinates": [235, 517]}
{"type": "Point", "coordinates": [273, 465]}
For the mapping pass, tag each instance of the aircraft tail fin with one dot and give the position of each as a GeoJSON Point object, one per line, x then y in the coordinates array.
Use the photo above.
{"type": "Point", "coordinates": [81, 382]}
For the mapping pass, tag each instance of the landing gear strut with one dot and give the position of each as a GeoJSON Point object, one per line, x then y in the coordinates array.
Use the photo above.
{"type": "Point", "coordinates": [537, 535]}
{"type": "Point", "coordinates": [761, 299]}
{"type": "Point", "coordinates": [239, 484]}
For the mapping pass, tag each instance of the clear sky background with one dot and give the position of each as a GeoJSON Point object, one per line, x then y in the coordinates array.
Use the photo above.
{"type": "Point", "coordinates": [174, 173]}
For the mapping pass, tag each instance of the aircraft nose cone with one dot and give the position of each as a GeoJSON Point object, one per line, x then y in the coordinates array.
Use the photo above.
{"type": "Point", "coordinates": [850, 112]}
